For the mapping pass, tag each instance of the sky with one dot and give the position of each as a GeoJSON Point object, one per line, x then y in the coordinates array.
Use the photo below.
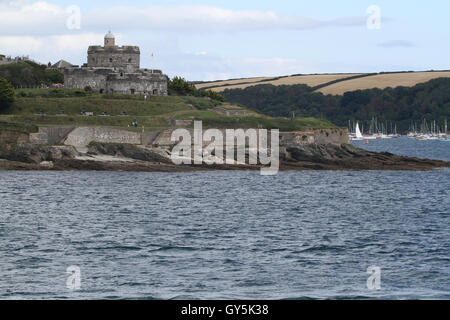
{"type": "Point", "coordinates": [214, 40]}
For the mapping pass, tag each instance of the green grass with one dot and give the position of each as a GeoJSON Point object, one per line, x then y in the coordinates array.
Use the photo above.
{"type": "Point", "coordinates": [214, 120]}
{"type": "Point", "coordinates": [70, 121]}
{"type": "Point", "coordinates": [20, 127]}
{"type": "Point", "coordinates": [97, 105]}
{"type": "Point", "coordinates": [152, 114]}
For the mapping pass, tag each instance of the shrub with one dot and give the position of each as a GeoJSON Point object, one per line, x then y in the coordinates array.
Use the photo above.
{"type": "Point", "coordinates": [6, 94]}
{"type": "Point", "coordinates": [213, 95]}
{"type": "Point", "coordinates": [182, 87]}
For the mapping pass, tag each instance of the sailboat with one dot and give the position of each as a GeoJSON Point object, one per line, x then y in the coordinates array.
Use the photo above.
{"type": "Point", "coordinates": [358, 135]}
{"type": "Point", "coordinates": [445, 136]}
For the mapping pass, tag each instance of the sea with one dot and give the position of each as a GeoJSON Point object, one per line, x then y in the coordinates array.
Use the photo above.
{"type": "Point", "coordinates": [229, 234]}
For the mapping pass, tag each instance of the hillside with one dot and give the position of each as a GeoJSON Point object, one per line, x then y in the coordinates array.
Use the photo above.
{"type": "Point", "coordinates": [29, 74]}
{"type": "Point", "coordinates": [336, 84]}
{"type": "Point", "coordinates": [399, 106]}
{"type": "Point", "coordinates": [59, 107]}
{"type": "Point", "coordinates": [382, 81]}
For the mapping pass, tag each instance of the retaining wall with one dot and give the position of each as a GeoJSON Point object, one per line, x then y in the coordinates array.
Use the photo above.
{"type": "Point", "coordinates": [82, 136]}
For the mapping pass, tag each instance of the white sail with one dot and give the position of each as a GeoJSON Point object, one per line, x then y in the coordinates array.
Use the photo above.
{"type": "Point", "coordinates": [358, 132]}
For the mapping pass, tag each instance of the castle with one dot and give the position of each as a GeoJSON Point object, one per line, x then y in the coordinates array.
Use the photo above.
{"type": "Point", "coordinates": [114, 69]}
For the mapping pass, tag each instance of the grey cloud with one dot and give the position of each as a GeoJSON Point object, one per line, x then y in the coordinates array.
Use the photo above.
{"type": "Point", "coordinates": [43, 18]}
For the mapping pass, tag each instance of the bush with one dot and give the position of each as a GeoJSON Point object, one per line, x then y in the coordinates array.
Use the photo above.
{"type": "Point", "coordinates": [6, 94]}
{"type": "Point", "coordinates": [79, 93]}
{"type": "Point", "coordinates": [182, 87]}
{"type": "Point", "coordinates": [213, 95]}
{"type": "Point", "coordinates": [30, 75]}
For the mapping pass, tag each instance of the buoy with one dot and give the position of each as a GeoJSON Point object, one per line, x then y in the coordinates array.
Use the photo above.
{"type": "Point", "coordinates": [367, 141]}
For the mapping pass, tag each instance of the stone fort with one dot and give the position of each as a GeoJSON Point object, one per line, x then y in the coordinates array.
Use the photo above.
{"type": "Point", "coordinates": [114, 69]}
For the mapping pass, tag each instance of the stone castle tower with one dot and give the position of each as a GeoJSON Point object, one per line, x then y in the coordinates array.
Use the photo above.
{"type": "Point", "coordinates": [110, 40]}
{"type": "Point", "coordinates": [114, 69]}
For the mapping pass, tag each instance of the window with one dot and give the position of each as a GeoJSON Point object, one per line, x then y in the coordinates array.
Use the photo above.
{"type": "Point", "coordinates": [121, 74]}
{"type": "Point", "coordinates": [110, 59]}
{"type": "Point", "coordinates": [132, 91]}
{"type": "Point", "coordinates": [155, 92]}
{"type": "Point", "coordinates": [129, 60]}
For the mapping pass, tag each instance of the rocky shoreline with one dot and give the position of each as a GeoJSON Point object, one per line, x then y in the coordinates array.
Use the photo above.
{"type": "Point", "coordinates": [126, 157]}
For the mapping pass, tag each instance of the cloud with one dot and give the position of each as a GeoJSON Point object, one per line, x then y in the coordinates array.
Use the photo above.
{"type": "Point", "coordinates": [198, 65]}
{"type": "Point", "coordinates": [210, 67]}
{"type": "Point", "coordinates": [397, 44]}
{"type": "Point", "coordinates": [51, 48]}
{"type": "Point", "coordinates": [42, 18]}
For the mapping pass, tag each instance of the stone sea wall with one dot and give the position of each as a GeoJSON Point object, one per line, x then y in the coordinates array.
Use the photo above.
{"type": "Point", "coordinates": [82, 136]}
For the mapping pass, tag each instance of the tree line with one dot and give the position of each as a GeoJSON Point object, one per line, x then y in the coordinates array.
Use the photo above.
{"type": "Point", "coordinates": [430, 101]}
{"type": "Point", "coordinates": [29, 74]}
{"type": "Point", "coordinates": [180, 86]}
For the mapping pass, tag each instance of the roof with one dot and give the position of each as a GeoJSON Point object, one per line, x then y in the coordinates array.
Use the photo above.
{"type": "Point", "coordinates": [61, 64]}
{"type": "Point", "coordinates": [109, 35]}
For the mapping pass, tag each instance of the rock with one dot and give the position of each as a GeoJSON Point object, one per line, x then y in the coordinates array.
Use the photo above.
{"type": "Point", "coordinates": [29, 153]}
{"type": "Point", "coordinates": [129, 151]}
{"type": "Point", "coordinates": [292, 157]}
{"type": "Point", "coordinates": [46, 164]}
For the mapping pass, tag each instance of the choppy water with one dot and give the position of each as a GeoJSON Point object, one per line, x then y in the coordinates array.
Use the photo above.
{"type": "Point", "coordinates": [225, 234]}
{"type": "Point", "coordinates": [432, 149]}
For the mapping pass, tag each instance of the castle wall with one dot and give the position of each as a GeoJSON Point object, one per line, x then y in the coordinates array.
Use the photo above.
{"type": "Point", "coordinates": [113, 69]}
{"type": "Point", "coordinates": [83, 77]}
{"type": "Point", "coordinates": [127, 58]}
{"type": "Point", "coordinates": [139, 83]}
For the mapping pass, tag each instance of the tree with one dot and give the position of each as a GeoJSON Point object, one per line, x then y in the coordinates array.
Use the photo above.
{"type": "Point", "coordinates": [400, 105]}
{"type": "Point", "coordinates": [213, 95]}
{"type": "Point", "coordinates": [180, 86]}
{"type": "Point", "coordinates": [6, 94]}
{"type": "Point", "coordinates": [183, 87]}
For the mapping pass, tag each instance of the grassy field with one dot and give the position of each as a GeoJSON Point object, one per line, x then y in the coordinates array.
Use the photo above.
{"type": "Point", "coordinates": [36, 107]}
{"type": "Point", "coordinates": [382, 81]}
{"type": "Point", "coordinates": [336, 84]}
{"type": "Point", "coordinates": [231, 82]}
{"type": "Point", "coordinates": [20, 127]}
{"type": "Point", "coordinates": [310, 80]}
{"type": "Point", "coordinates": [214, 120]}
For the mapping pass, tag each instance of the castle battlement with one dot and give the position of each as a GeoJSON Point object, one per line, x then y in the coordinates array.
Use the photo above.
{"type": "Point", "coordinates": [115, 49]}
{"type": "Point", "coordinates": [116, 69]}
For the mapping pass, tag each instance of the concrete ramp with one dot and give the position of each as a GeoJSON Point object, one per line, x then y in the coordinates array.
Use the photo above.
{"type": "Point", "coordinates": [50, 135]}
